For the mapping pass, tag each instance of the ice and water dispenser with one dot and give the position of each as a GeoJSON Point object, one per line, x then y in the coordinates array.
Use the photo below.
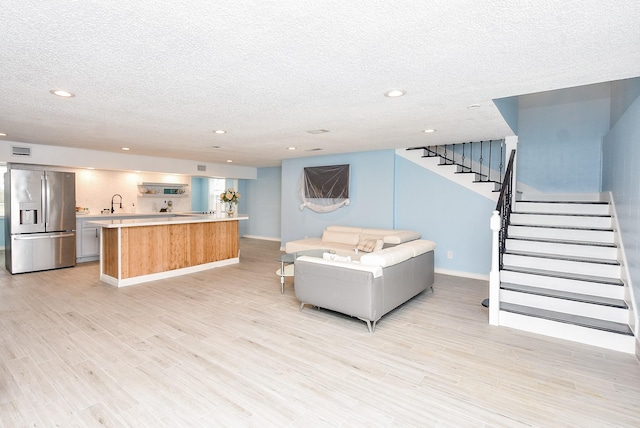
{"type": "Point", "coordinates": [28, 213]}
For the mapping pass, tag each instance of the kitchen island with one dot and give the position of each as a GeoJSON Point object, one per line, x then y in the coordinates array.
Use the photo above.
{"type": "Point", "coordinates": [138, 250]}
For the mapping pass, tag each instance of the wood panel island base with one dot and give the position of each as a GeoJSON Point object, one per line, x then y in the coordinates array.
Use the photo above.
{"type": "Point", "coordinates": [141, 250]}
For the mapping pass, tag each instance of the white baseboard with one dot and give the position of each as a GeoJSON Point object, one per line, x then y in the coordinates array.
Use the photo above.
{"type": "Point", "coordinates": [462, 274]}
{"type": "Point", "coordinates": [264, 238]}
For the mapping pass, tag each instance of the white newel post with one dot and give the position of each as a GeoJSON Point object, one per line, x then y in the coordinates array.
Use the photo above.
{"type": "Point", "coordinates": [494, 275]}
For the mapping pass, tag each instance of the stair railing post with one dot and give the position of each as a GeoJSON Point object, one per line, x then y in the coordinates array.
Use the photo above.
{"type": "Point", "coordinates": [494, 275]}
{"type": "Point", "coordinates": [511, 143]}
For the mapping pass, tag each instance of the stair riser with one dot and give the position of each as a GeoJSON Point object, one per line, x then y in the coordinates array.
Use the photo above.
{"type": "Point", "coordinates": [609, 253]}
{"type": "Point", "coordinates": [595, 269]}
{"type": "Point", "coordinates": [590, 310]}
{"type": "Point", "coordinates": [560, 220]}
{"type": "Point", "coordinates": [605, 237]}
{"type": "Point", "coordinates": [562, 284]}
{"type": "Point", "coordinates": [603, 339]}
{"type": "Point", "coordinates": [560, 208]}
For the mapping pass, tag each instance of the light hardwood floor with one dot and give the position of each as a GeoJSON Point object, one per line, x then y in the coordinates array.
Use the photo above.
{"type": "Point", "coordinates": [225, 348]}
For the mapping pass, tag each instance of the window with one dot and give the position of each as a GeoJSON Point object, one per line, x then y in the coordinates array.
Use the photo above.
{"type": "Point", "coordinates": [216, 187]}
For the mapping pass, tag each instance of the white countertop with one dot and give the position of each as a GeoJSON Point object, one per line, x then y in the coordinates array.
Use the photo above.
{"type": "Point", "coordinates": [120, 215]}
{"type": "Point", "coordinates": [161, 220]}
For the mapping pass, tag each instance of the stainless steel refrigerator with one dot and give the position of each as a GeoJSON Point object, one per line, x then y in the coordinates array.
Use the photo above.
{"type": "Point", "coordinates": [40, 219]}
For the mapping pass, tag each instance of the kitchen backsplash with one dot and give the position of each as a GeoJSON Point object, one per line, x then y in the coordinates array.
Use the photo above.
{"type": "Point", "coordinates": [94, 189]}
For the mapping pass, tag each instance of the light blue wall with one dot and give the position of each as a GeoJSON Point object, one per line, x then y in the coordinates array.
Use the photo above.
{"type": "Point", "coordinates": [263, 204]}
{"type": "Point", "coordinates": [455, 218]}
{"type": "Point", "coordinates": [242, 203]}
{"type": "Point", "coordinates": [388, 191]}
{"type": "Point", "coordinates": [621, 176]}
{"type": "Point", "coordinates": [560, 137]}
{"type": "Point", "coordinates": [623, 94]}
{"type": "Point", "coordinates": [199, 194]}
{"type": "Point", "coordinates": [508, 108]}
{"type": "Point", "coordinates": [371, 194]}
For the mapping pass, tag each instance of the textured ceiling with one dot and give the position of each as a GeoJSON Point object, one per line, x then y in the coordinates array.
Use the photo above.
{"type": "Point", "coordinates": [159, 76]}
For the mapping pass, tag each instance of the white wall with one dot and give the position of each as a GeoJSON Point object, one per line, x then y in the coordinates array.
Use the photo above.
{"type": "Point", "coordinates": [95, 188]}
{"type": "Point", "coordinates": [81, 158]}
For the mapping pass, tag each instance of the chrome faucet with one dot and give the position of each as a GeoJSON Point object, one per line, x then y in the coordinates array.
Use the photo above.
{"type": "Point", "coordinates": [112, 198]}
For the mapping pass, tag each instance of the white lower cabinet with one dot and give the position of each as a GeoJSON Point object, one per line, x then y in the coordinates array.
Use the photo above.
{"type": "Point", "coordinates": [87, 242]}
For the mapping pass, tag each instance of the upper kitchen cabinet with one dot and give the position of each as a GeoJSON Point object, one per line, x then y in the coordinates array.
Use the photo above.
{"type": "Point", "coordinates": [162, 190]}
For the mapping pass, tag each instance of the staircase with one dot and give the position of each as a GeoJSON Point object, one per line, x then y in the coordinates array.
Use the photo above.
{"type": "Point", "coordinates": [560, 275]}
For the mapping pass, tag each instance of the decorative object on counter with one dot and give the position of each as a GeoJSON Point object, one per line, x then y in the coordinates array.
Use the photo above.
{"type": "Point", "coordinates": [231, 209]}
{"type": "Point", "coordinates": [231, 197]}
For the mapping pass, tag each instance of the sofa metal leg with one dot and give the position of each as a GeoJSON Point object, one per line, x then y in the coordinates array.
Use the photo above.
{"type": "Point", "coordinates": [301, 306]}
{"type": "Point", "coordinates": [371, 328]}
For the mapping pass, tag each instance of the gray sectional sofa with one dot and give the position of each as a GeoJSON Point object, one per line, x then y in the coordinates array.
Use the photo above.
{"type": "Point", "coordinates": [367, 288]}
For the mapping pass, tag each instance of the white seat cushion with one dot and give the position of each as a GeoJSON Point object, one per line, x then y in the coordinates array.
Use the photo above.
{"type": "Point", "coordinates": [419, 246]}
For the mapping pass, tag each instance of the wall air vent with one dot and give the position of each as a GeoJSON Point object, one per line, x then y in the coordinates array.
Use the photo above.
{"type": "Point", "coordinates": [313, 150]}
{"type": "Point", "coordinates": [20, 151]}
{"type": "Point", "coordinates": [202, 167]}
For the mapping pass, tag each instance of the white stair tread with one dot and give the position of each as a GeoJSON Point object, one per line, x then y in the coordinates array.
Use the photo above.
{"type": "Point", "coordinates": [597, 300]}
{"type": "Point", "coordinates": [597, 324]}
{"type": "Point", "coordinates": [546, 226]}
{"type": "Point", "coordinates": [561, 214]}
{"type": "Point", "coordinates": [555, 274]}
{"type": "Point", "coordinates": [566, 258]}
{"type": "Point", "coordinates": [564, 241]}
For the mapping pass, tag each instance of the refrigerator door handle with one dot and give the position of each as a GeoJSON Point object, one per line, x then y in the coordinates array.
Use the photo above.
{"type": "Point", "coordinates": [34, 237]}
{"type": "Point", "coordinates": [45, 201]}
{"type": "Point", "coordinates": [62, 235]}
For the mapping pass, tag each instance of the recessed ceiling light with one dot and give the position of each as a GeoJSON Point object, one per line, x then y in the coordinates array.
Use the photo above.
{"type": "Point", "coordinates": [429, 131]}
{"type": "Point", "coordinates": [126, 148]}
{"type": "Point", "coordinates": [62, 93]}
{"type": "Point", "coordinates": [473, 106]}
{"type": "Point", "coordinates": [229, 160]}
{"type": "Point", "coordinates": [3, 134]}
{"type": "Point", "coordinates": [219, 131]}
{"type": "Point", "coordinates": [394, 93]}
{"type": "Point", "coordinates": [291, 148]}
{"type": "Point", "coordinates": [90, 167]}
